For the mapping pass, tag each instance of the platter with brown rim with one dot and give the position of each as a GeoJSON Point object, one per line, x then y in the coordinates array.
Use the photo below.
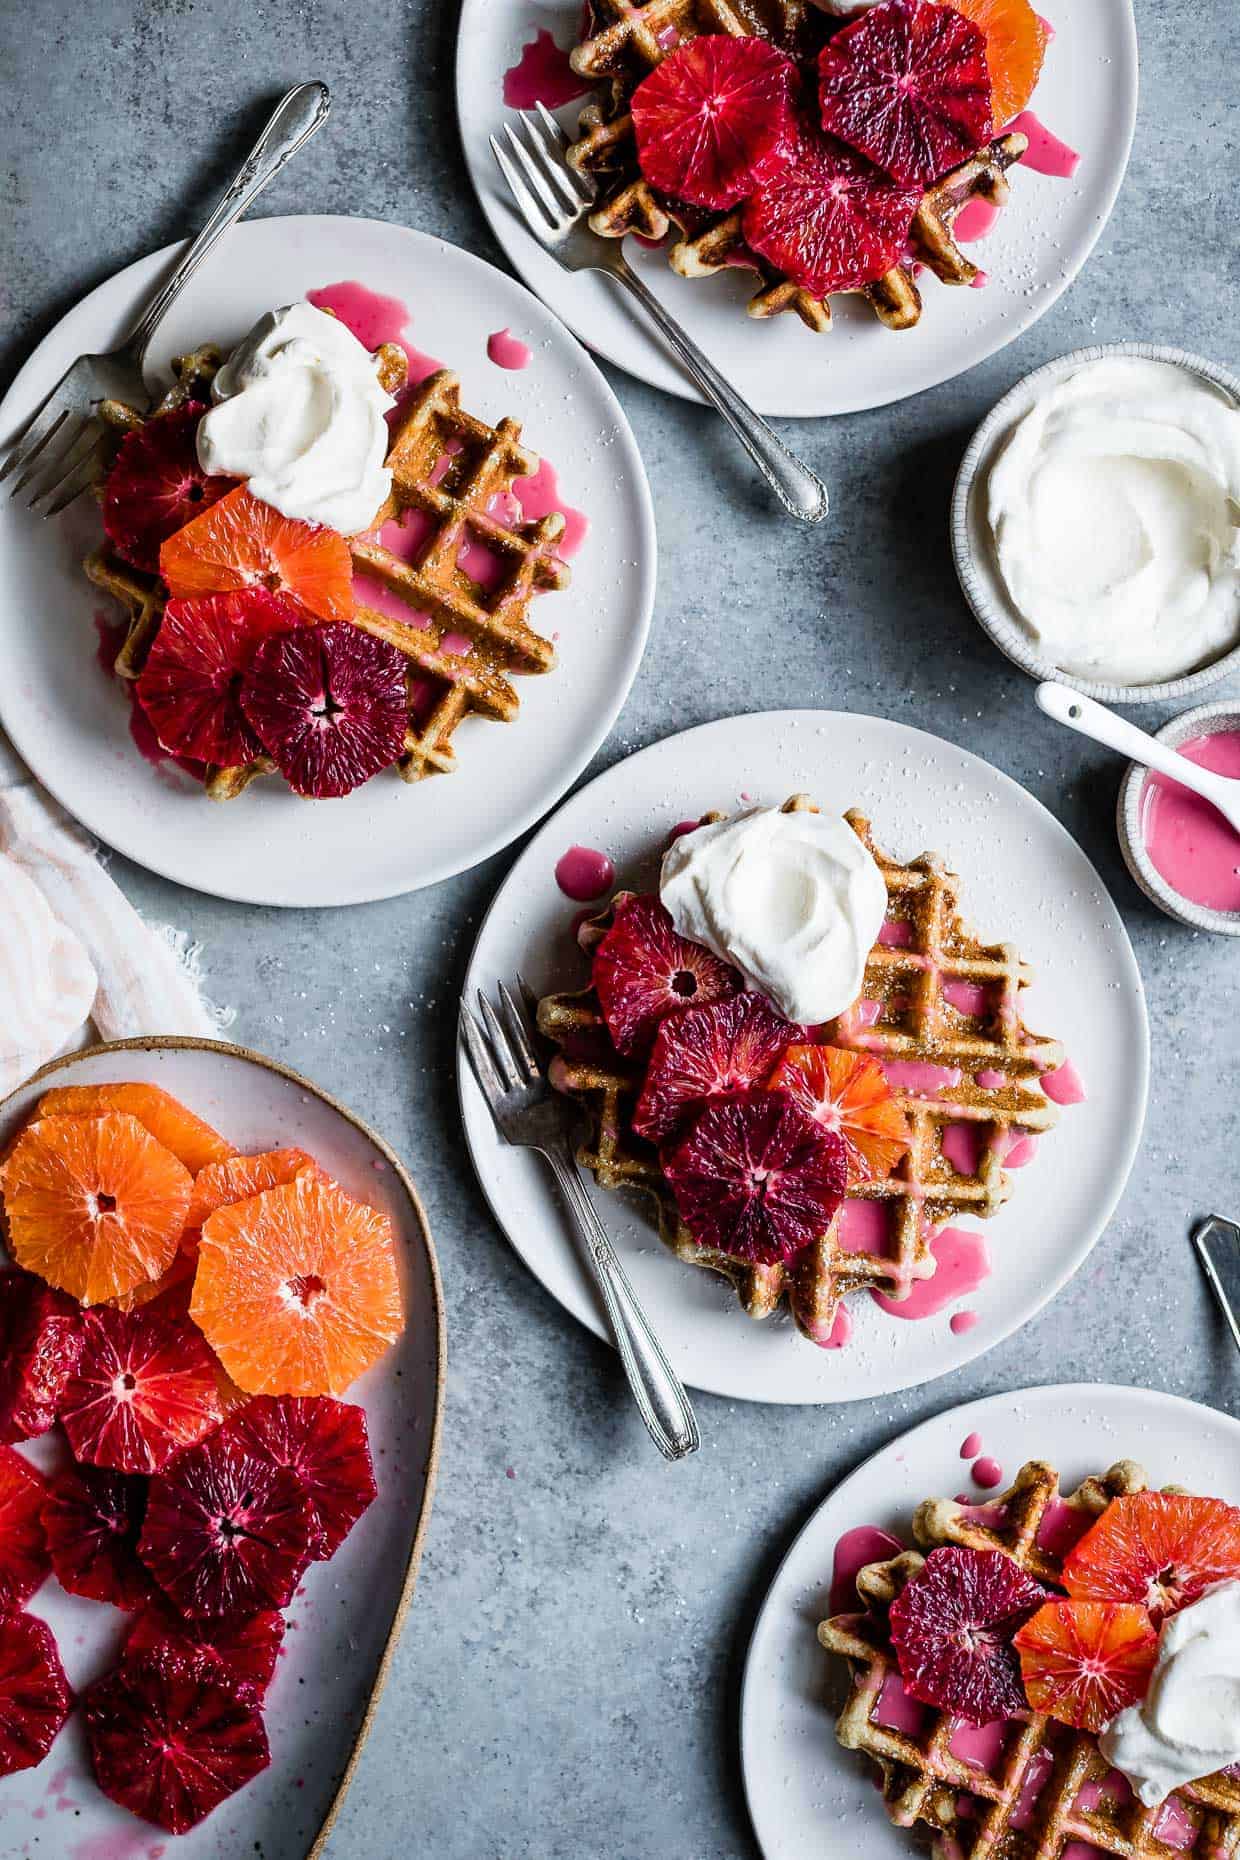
{"type": "Point", "coordinates": [347, 1616]}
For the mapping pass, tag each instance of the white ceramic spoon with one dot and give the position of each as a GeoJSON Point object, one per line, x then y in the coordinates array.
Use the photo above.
{"type": "Point", "coordinates": [1095, 720]}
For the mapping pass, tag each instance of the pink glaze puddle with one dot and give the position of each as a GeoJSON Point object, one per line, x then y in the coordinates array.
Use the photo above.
{"type": "Point", "coordinates": [1046, 154]}
{"type": "Point", "coordinates": [856, 1548]}
{"type": "Point", "coordinates": [1188, 840]}
{"type": "Point", "coordinates": [458, 645]}
{"type": "Point", "coordinates": [542, 74]}
{"type": "Point", "coordinates": [964, 1145]}
{"type": "Point", "coordinates": [1174, 1826]}
{"type": "Point", "coordinates": [987, 1473]}
{"type": "Point", "coordinates": [1062, 1527]}
{"type": "Point", "coordinates": [1113, 1787]}
{"type": "Point", "coordinates": [1022, 1151]}
{"type": "Point", "coordinates": [1035, 1780]}
{"type": "Point", "coordinates": [540, 495]}
{"type": "Point", "coordinates": [967, 997]}
{"type": "Point", "coordinates": [865, 1227]}
{"type": "Point", "coordinates": [583, 874]}
{"type": "Point", "coordinates": [1080, 1850]}
{"type": "Point", "coordinates": [374, 593]}
{"type": "Point", "coordinates": [990, 1080]}
{"type": "Point", "coordinates": [374, 320]}
{"type": "Point", "coordinates": [896, 1711]}
{"type": "Point", "coordinates": [970, 1446]}
{"type": "Point", "coordinates": [980, 1744]}
{"type": "Point", "coordinates": [924, 1080]}
{"type": "Point", "coordinates": [483, 565]}
{"type": "Point", "coordinates": [963, 1321]}
{"type": "Point", "coordinates": [508, 351]}
{"type": "Point", "coordinates": [895, 933]}
{"type": "Point", "coordinates": [962, 1264]}
{"type": "Point", "coordinates": [974, 220]}
{"type": "Point", "coordinates": [1064, 1085]}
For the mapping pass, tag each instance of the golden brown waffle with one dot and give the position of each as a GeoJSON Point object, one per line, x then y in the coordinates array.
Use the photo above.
{"type": "Point", "coordinates": [628, 42]}
{"type": "Point", "coordinates": [915, 1023]}
{"type": "Point", "coordinates": [449, 469]}
{"type": "Point", "coordinates": [1044, 1791]}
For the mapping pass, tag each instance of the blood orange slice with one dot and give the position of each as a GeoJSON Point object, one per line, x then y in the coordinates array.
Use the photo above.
{"type": "Point", "coordinates": [847, 1092]}
{"type": "Point", "coordinates": [1161, 1549]}
{"type": "Point", "coordinates": [35, 1698]}
{"type": "Point", "coordinates": [40, 1338]}
{"type": "Point", "coordinates": [191, 1141]}
{"type": "Point", "coordinates": [296, 1290]}
{"type": "Point", "coordinates": [23, 1544]}
{"type": "Point", "coordinates": [144, 1387]}
{"type": "Point", "coordinates": [92, 1518]}
{"type": "Point", "coordinates": [1082, 1662]}
{"type": "Point", "coordinates": [240, 542]}
{"type": "Point", "coordinates": [95, 1205]}
{"type": "Point", "coordinates": [247, 1648]}
{"type": "Point", "coordinates": [324, 1442]}
{"type": "Point", "coordinates": [1016, 41]}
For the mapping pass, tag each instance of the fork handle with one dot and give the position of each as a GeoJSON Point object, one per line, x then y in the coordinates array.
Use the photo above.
{"type": "Point", "coordinates": [801, 492]}
{"type": "Point", "coordinates": [293, 121]}
{"type": "Point", "coordinates": [657, 1389]}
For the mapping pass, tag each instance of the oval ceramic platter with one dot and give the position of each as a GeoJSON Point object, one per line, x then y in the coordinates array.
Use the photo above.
{"type": "Point", "coordinates": [806, 1794]}
{"type": "Point", "coordinates": [70, 720]}
{"type": "Point", "coordinates": [347, 1616]}
{"type": "Point", "coordinates": [1087, 97]}
{"type": "Point", "coordinates": [1023, 880]}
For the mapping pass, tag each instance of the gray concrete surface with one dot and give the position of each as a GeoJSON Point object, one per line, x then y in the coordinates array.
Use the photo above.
{"type": "Point", "coordinates": [567, 1685]}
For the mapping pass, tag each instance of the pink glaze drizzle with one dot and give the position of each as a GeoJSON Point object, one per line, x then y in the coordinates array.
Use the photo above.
{"type": "Point", "coordinates": [962, 1321]}
{"type": "Point", "coordinates": [865, 1227]}
{"type": "Point", "coordinates": [967, 997]}
{"type": "Point", "coordinates": [1046, 153]}
{"type": "Point", "coordinates": [540, 495]}
{"type": "Point", "coordinates": [970, 1446]}
{"type": "Point", "coordinates": [856, 1548]}
{"type": "Point", "coordinates": [839, 1335]}
{"type": "Point", "coordinates": [508, 351]}
{"type": "Point", "coordinates": [980, 1744]}
{"type": "Point", "coordinates": [974, 220]}
{"type": "Point", "coordinates": [917, 1076]}
{"type": "Point", "coordinates": [895, 933]}
{"type": "Point", "coordinates": [962, 1264]}
{"type": "Point", "coordinates": [542, 74]}
{"type": "Point", "coordinates": [987, 1473]}
{"type": "Point", "coordinates": [374, 320]}
{"type": "Point", "coordinates": [1063, 1085]}
{"type": "Point", "coordinates": [583, 874]}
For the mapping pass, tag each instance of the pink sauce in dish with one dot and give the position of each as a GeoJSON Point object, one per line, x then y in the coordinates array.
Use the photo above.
{"type": "Point", "coordinates": [856, 1548]}
{"type": "Point", "coordinates": [1046, 154]}
{"type": "Point", "coordinates": [508, 351]}
{"type": "Point", "coordinates": [583, 874]}
{"type": "Point", "coordinates": [970, 1446]}
{"type": "Point", "coordinates": [1064, 1085]}
{"type": "Point", "coordinates": [962, 1265]}
{"type": "Point", "coordinates": [1188, 840]}
{"type": "Point", "coordinates": [542, 74]}
{"type": "Point", "coordinates": [987, 1473]}
{"type": "Point", "coordinates": [963, 1321]}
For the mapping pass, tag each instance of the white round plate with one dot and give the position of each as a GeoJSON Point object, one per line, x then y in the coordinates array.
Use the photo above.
{"type": "Point", "coordinates": [806, 1794]}
{"type": "Point", "coordinates": [347, 1615]}
{"type": "Point", "coordinates": [1087, 95]}
{"type": "Point", "coordinates": [1025, 881]}
{"type": "Point", "coordinates": [70, 721]}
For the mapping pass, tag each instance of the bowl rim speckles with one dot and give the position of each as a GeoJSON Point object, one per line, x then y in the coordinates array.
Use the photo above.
{"type": "Point", "coordinates": [1224, 712]}
{"type": "Point", "coordinates": [973, 553]}
{"type": "Point", "coordinates": [420, 1359]}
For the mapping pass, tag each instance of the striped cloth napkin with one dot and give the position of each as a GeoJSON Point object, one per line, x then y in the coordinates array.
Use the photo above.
{"type": "Point", "coordinates": [73, 951]}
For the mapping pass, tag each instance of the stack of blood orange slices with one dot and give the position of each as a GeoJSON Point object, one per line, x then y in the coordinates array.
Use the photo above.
{"type": "Point", "coordinates": [187, 1316]}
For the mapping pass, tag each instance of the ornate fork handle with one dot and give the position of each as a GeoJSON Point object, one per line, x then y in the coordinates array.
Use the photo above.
{"type": "Point", "coordinates": [293, 122]}
{"type": "Point", "coordinates": [798, 489]}
{"type": "Point", "coordinates": [657, 1390]}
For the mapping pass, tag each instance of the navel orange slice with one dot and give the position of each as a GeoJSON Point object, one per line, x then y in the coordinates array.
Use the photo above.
{"type": "Point", "coordinates": [191, 1141]}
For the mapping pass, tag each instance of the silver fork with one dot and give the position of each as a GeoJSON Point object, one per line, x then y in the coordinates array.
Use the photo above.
{"type": "Point", "coordinates": [554, 202]}
{"type": "Point", "coordinates": [61, 444]}
{"type": "Point", "coordinates": [529, 1113]}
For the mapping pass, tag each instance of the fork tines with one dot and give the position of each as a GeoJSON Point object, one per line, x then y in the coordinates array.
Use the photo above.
{"type": "Point", "coordinates": [550, 195]}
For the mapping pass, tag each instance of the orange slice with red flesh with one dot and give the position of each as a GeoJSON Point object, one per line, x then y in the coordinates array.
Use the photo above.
{"type": "Point", "coordinates": [240, 542]}
{"type": "Point", "coordinates": [847, 1092]}
{"type": "Point", "coordinates": [94, 1204]}
{"type": "Point", "coordinates": [1083, 1662]}
{"type": "Point", "coordinates": [1016, 41]}
{"type": "Point", "coordinates": [1161, 1549]}
{"type": "Point", "coordinates": [296, 1290]}
{"type": "Point", "coordinates": [191, 1141]}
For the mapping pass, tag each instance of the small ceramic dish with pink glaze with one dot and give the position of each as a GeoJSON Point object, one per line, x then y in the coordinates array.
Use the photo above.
{"type": "Point", "coordinates": [1179, 849]}
{"type": "Point", "coordinates": [973, 547]}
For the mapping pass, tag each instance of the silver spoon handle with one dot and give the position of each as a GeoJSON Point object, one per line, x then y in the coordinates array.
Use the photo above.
{"type": "Point", "coordinates": [802, 494]}
{"type": "Point", "coordinates": [657, 1389]}
{"type": "Point", "coordinates": [1103, 726]}
{"type": "Point", "coordinates": [293, 121]}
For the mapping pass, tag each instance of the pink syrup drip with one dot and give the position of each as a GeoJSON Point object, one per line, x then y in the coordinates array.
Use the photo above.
{"type": "Point", "coordinates": [962, 1263]}
{"type": "Point", "coordinates": [540, 495]}
{"type": "Point", "coordinates": [987, 1473]}
{"type": "Point", "coordinates": [980, 282]}
{"type": "Point", "coordinates": [1064, 1085]}
{"type": "Point", "coordinates": [838, 1335]}
{"type": "Point", "coordinates": [1188, 840]}
{"type": "Point", "coordinates": [980, 1744]}
{"type": "Point", "coordinates": [974, 220]}
{"type": "Point", "coordinates": [1024, 1148]}
{"type": "Point", "coordinates": [1046, 153]}
{"type": "Point", "coordinates": [508, 351]}
{"type": "Point", "coordinates": [919, 1077]}
{"type": "Point", "coordinates": [583, 874]}
{"type": "Point", "coordinates": [1061, 1527]}
{"type": "Point", "coordinates": [856, 1548]}
{"type": "Point", "coordinates": [962, 1321]}
{"type": "Point", "coordinates": [542, 74]}
{"type": "Point", "coordinates": [865, 1227]}
{"type": "Point", "coordinates": [374, 320]}
{"type": "Point", "coordinates": [964, 1145]}
{"type": "Point", "coordinates": [967, 997]}
{"type": "Point", "coordinates": [990, 1080]}
{"type": "Point", "coordinates": [970, 1446]}
{"type": "Point", "coordinates": [896, 1711]}
{"type": "Point", "coordinates": [895, 933]}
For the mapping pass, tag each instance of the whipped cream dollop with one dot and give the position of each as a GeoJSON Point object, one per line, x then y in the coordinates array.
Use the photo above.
{"type": "Point", "coordinates": [1114, 508]}
{"type": "Point", "coordinates": [47, 980]}
{"type": "Point", "coordinates": [793, 900]}
{"type": "Point", "coordinates": [1188, 1724]}
{"type": "Point", "coordinates": [299, 413]}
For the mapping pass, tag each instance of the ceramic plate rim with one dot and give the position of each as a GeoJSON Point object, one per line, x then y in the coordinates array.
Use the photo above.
{"type": "Point", "coordinates": [502, 219]}
{"type": "Point", "coordinates": [129, 843]}
{"type": "Point", "coordinates": [248, 1055]}
{"type": "Point", "coordinates": [1090, 1393]}
{"type": "Point", "coordinates": [467, 1086]}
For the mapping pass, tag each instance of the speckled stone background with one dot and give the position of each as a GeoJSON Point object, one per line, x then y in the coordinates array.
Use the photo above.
{"type": "Point", "coordinates": [567, 1685]}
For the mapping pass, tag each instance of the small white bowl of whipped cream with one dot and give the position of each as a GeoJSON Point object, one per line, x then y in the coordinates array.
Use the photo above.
{"type": "Point", "coordinates": [1096, 523]}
